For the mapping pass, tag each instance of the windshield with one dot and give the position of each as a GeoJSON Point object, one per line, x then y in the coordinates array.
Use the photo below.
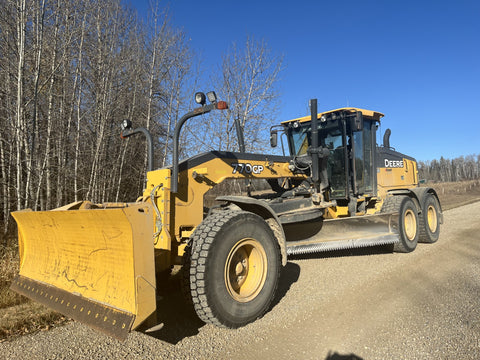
{"type": "Point", "coordinates": [330, 138]}
{"type": "Point", "coordinates": [300, 140]}
{"type": "Point", "coordinates": [301, 137]}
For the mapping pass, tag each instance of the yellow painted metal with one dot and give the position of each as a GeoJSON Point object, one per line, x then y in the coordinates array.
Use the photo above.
{"type": "Point", "coordinates": [432, 218]}
{"type": "Point", "coordinates": [192, 187]}
{"type": "Point", "coordinates": [410, 225]}
{"type": "Point", "coordinates": [182, 212]}
{"type": "Point", "coordinates": [186, 233]}
{"type": "Point", "coordinates": [336, 211]}
{"type": "Point", "coordinates": [369, 113]}
{"type": "Point", "coordinates": [181, 249]}
{"type": "Point", "coordinates": [397, 178]}
{"type": "Point", "coordinates": [246, 270]}
{"type": "Point", "coordinates": [102, 255]}
{"type": "Point", "coordinates": [158, 183]}
{"type": "Point", "coordinates": [201, 171]}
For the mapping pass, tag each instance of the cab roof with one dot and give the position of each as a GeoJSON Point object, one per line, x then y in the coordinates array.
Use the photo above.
{"type": "Point", "coordinates": [368, 113]}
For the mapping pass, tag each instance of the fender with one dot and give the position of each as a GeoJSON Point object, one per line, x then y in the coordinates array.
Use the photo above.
{"type": "Point", "coordinates": [266, 212]}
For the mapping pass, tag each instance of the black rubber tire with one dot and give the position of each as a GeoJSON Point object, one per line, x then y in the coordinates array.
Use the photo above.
{"type": "Point", "coordinates": [214, 245]}
{"type": "Point", "coordinates": [408, 218]}
{"type": "Point", "coordinates": [429, 220]}
{"type": "Point", "coordinates": [185, 275]}
{"type": "Point", "coordinates": [408, 215]}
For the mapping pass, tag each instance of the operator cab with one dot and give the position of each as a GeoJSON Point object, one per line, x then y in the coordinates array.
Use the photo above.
{"type": "Point", "coordinates": [349, 136]}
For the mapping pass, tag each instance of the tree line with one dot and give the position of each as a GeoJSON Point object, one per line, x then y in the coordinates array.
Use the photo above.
{"type": "Point", "coordinates": [72, 70]}
{"type": "Point", "coordinates": [450, 170]}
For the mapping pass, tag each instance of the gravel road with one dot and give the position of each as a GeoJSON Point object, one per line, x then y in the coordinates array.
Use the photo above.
{"type": "Point", "coordinates": [366, 304]}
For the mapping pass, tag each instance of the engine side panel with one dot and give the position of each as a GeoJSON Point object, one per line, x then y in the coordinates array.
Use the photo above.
{"type": "Point", "coordinates": [395, 171]}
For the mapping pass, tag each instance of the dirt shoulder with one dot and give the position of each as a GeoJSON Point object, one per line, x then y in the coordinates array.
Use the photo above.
{"type": "Point", "coordinates": [457, 194]}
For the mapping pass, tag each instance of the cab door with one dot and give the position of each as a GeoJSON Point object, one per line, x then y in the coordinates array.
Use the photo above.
{"type": "Point", "coordinates": [363, 175]}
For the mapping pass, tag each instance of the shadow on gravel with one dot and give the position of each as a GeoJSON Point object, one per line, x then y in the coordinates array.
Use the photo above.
{"type": "Point", "coordinates": [288, 276]}
{"type": "Point", "coordinates": [178, 316]}
{"type": "Point", "coordinates": [337, 356]}
{"type": "Point", "coordinates": [366, 251]}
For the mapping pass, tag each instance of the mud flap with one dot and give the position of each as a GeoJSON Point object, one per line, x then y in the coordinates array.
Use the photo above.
{"type": "Point", "coordinates": [96, 265]}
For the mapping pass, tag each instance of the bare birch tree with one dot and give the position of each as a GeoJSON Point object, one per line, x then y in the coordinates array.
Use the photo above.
{"type": "Point", "coordinates": [248, 82]}
{"type": "Point", "coordinates": [20, 130]}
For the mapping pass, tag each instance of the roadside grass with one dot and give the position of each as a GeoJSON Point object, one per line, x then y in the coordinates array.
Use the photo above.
{"type": "Point", "coordinates": [26, 318]}
{"type": "Point", "coordinates": [19, 315]}
{"type": "Point", "coordinates": [8, 268]}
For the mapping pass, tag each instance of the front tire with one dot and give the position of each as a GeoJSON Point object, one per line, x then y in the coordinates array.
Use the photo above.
{"type": "Point", "coordinates": [235, 268]}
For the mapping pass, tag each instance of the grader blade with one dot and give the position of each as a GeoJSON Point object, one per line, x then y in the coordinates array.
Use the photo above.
{"type": "Point", "coordinates": [342, 233]}
{"type": "Point", "coordinates": [95, 266]}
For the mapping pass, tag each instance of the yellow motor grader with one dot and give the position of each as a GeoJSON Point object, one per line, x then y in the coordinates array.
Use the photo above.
{"type": "Point", "coordinates": [97, 263]}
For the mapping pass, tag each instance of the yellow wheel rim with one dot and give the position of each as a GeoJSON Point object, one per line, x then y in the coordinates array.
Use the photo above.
{"type": "Point", "coordinates": [410, 224]}
{"type": "Point", "coordinates": [245, 270]}
{"type": "Point", "coordinates": [432, 218]}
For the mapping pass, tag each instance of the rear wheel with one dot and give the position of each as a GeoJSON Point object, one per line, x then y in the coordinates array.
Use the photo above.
{"type": "Point", "coordinates": [408, 225]}
{"type": "Point", "coordinates": [408, 221]}
{"type": "Point", "coordinates": [429, 220]}
{"type": "Point", "coordinates": [234, 269]}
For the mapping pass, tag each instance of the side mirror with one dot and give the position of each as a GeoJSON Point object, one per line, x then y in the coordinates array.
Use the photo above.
{"type": "Point", "coordinates": [356, 121]}
{"type": "Point", "coordinates": [273, 138]}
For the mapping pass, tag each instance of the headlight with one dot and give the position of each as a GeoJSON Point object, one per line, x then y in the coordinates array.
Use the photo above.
{"type": "Point", "coordinates": [200, 98]}
{"type": "Point", "coordinates": [126, 124]}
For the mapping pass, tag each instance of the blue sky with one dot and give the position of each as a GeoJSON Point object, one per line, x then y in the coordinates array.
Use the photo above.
{"type": "Point", "coordinates": [418, 62]}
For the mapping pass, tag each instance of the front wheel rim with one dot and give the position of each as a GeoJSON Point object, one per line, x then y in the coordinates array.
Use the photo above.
{"type": "Point", "coordinates": [245, 270]}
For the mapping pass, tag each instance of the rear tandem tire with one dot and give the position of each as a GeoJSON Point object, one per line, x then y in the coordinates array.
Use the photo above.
{"type": "Point", "coordinates": [408, 225]}
{"type": "Point", "coordinates": [429, 220]}
{"type": "Point", "coordinates": [235, 268]}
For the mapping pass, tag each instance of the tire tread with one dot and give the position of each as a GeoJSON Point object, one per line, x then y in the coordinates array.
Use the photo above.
{"type": "Point", "coordinates": [393, 204]}
{"type": "Point", "coordinates": [202, 241]}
